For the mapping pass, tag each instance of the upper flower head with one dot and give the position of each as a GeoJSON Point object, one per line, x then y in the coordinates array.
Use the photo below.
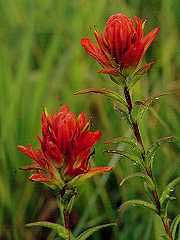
{"type": "Point", "coordinates": [66, 147]}
{"type": "Point", "coordinates": [121, 45]}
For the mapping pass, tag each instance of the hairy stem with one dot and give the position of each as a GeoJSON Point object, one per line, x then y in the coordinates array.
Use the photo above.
{"type": "Point", "coordinates": [137, 135]}
{"type": "Point", "coordinates": [67, 222]}
{"type": "Point", "coordinates": [67, 194]}
{"type": "Point", "coordinates": [167, 228]}
{"type": "Point", "coordinates": [135, 126]}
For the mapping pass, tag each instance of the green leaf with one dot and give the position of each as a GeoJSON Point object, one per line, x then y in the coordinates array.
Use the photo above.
{"type": "Point", "coordinates": [134, 147]}
{"type": "Point", "coordinates": [123, 113]}
{"type": "Point", "coordinates": [133, 80]}
{"type": "Point", "coordinates": [169, 188]}
{"type": "Point", "coordinates": [147, 179]}
{"type": "Point", "coordinates": [59, 229]}
{"type": "Point", "coordinates": [164, 237]}
{"type": "Point", "coordinates": [174, 225]}
{"type": "Point", "coordinates": [142, 106]}
{"type": "Point", "coordinates": [119, 80]}
{"type": "Point", "coordinates": [107, 92]}
{"type": "Point", "coordinates": [137, 203]}
{"type": "Point", "coordinates": [154, 147]}
{"type": "Point", "coordinates": [92, 230]}
{"type": "Point", "coordinates": [136, 160]}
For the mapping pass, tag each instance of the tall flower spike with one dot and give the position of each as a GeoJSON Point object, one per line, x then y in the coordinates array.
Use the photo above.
{"type": "Point", "coordinates": [65, 149]}
{"type": "Point", "coordinates": [121, 45]}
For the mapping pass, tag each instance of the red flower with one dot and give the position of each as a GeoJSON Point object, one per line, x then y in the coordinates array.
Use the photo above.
{"type": "Point", "coordinates": [121, 45]}
{"type": "Point", "coordinates": [66, 147]}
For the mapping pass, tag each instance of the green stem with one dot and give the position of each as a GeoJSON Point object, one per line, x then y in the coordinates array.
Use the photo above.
{"type": "Point", "coordinates": [167, 228]}
{"type": "Point", "coordinates": [139, 140]}
{"type": "Point", "coordinates": [67, 196]}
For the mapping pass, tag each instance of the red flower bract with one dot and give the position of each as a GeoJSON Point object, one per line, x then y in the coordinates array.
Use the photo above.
{"type": "Point", "coordinates": [66, 147]}
{"type": "Point", "coordinates": [121, 45]}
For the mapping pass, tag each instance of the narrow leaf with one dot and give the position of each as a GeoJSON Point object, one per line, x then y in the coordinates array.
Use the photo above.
{"type": "Point", "coordinates": [145, 104]}
{"type": "Point", "coordinates": [147, 179]}
{"type": "Point", "coordinates": [133, 80]}
{"type": "Point", "coordinates": [136, 160]}
{"type": "Point", "coordinates": [107, 92]}
{"type": "Point", "coordinates": [164, 237]}
{"type": "Point", "coordinates": [123, 113]}
{"type": "Point", "coordinates": [174, 225]}
{"type": "Point", "coordinates": [92, 230]}
{"type": "Point", "coordinates": [59, 229]}
{"type": "Point", "coordinates": [137, 203]}
{"type": "Point", "coordinates": [169, 188]}
{"type": "Point", "coordinates": [119, 80]}
{"type": "Point", "coordinates": [131, 143]}
{"type": "Point", "coordinates": [154, 147]}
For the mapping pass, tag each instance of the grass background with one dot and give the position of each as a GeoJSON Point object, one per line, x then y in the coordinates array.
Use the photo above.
{"type": "Point", "coordinates": [42, 64]}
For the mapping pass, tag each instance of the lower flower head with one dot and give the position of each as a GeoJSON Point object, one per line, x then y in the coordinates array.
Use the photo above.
{"type": "Point", "coordinates": [121, 45]}
{"type": "Point", "coordinates": [65, 149]}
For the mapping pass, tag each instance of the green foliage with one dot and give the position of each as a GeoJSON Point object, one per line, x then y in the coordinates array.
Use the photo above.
{"type": "Point", "coordinates": [60, 230]}
{"type": "Point", "coordinates": [86, 234]}
{"type": "Point", "coordinates": [174, 225]}
{"type": "Point", "coordinates": [137, 203]}
{"type": "Point", "coordinates": [146, 178]}
{"type": "Point", "coordinates": [65, 234]}
{"type": "Point", "coordinates": [114, 96]}
{"type": "Point", "coordinates": [168, 190]}
{"type": "Point", "coordinates": [154, 147]}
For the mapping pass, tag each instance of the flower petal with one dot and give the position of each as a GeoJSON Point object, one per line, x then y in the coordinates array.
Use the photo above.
{"type": "Point", "coordinates": [90, 173]}
{"type": "Point", "coordinates": [111, 71]}
{"type": "Point", "coordinates": [132, 56]}
{"type": "Point", "coordinates": [31, 167]}
{"type": "Point", "coordinates": [39, 177]}
{"type": "Point", "coordinates": [36, 155]}
{"type": "Point", "coordinates": [148, 39]}
{"type": "Point", "coordinates": [94, 52]}
{"type": "Point", "coordinates": [86, 141]}
{"type": "Point", "coordinates": [83, 122]}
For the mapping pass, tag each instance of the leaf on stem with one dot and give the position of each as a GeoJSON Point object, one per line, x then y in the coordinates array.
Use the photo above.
{"type": "Point", "coordinates": [164, 237]}
{"type": "Point", "coordinates": [59, 229]}
{"type": "Point", "coordinates": [123, 113]}
{"type": "Point", "coordinates": [168, 190]}
{"type": "Point", "coordinates": [137, 203]}
{"type": "Point", "coordinates": [142, 106]}
{"type": "Point", "coordinates": [174, 225]}
{"type": "Point", "coordinates": [154, 147]}
{"type": "Point", "coordinates": [107, 92]}
{"type": "Point", "coordinates": [119, 80]}
{"type": "Point", "coordinates": [132, 80]}
{"type": "Point", "coordinates": [135, 159]}
{"type": "Point", "coordinates": [136, 75]}
{"type": "Point", "coordinates": [147, 179]}
{"type": "Point", "coordinates": [130, 142]}
{"type": "Point", "coordinates": [92, 230]}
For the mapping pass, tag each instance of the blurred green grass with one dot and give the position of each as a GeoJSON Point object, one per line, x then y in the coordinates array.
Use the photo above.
{"type": "Point", "coordinates": [42, 64]}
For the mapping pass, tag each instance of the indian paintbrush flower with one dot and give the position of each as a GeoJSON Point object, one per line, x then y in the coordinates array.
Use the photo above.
{"type": "Point", "coordinates": [65, 149]}
{"type": "Point", "coordinates": [121, 46]}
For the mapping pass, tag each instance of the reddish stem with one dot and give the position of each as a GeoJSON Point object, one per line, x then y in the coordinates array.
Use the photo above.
{"type": "Point", "coordinates": [67, 222]}
{"type": "Point", "coordinates": [135, 126]}
{"type": "Point", "coordinates": [167, 229]}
